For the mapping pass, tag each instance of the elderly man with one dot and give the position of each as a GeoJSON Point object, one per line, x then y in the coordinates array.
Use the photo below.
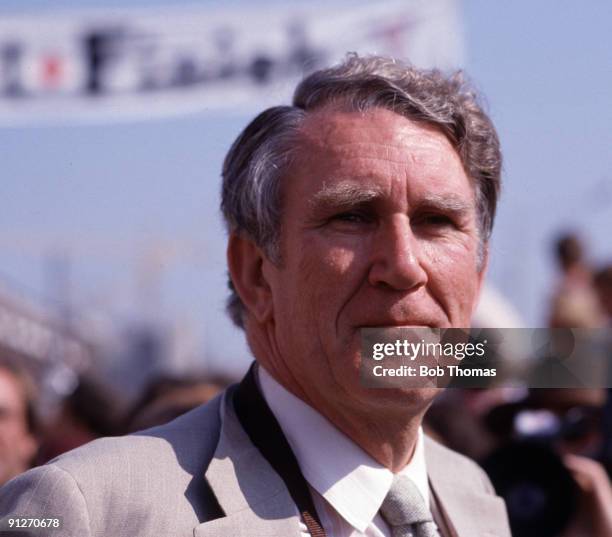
{"type": "Point", "coordinates": [368, 203]}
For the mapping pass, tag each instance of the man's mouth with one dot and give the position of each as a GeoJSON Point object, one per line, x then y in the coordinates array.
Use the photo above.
{"type": "Point", "coordinates": [402, 324]}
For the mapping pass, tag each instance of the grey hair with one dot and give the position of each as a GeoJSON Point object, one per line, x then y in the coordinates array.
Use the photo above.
{"type": "Point", "coordinates": [257, 160]}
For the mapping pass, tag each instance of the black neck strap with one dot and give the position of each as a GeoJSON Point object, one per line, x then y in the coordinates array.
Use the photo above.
{"type": "Point", "coordinates": [264, 431]}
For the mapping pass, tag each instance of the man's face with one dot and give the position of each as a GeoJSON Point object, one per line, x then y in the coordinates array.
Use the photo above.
{"type": "Point", "coordinates": [378, 229]}
{"type": "Point", "coordinates": [17, 445]}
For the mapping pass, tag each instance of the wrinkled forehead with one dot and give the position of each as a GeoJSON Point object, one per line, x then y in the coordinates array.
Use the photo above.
{"type": "Point", "coordinates": [337, 135]}
{"type": "Point", "coordinates": [333, 127]}
{"type": "Point", "coordinates": [344, 145]}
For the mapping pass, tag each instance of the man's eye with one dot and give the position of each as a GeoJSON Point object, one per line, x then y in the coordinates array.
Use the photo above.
{"type": "Point", "coordinates": [436, 220]}
{"type": "Point", "coordinates": [351, 217]}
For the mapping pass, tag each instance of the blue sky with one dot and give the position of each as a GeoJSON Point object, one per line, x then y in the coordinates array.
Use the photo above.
{"type": "Point", "coordinates": [107, 193]}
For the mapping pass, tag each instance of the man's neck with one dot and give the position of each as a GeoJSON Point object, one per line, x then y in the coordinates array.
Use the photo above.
{"type": "Point", "coordinates": [388, 432]}
{"type": "Point", "coordinates": [389, 439]}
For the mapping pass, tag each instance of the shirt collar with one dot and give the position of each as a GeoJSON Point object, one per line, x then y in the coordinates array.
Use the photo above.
{"type": "Point", "coordinates": [351, 481]}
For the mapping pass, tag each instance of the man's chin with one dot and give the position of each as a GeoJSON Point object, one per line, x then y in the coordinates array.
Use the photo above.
{"type": "Point", "coordinates": [398, 400]}
{"type": "Point", "coordinates": [400, 325]}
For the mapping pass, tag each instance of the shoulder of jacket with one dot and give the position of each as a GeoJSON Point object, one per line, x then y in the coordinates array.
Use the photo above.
{"type": "Point", "coordinates": [177, 450]}
{"type": "Point", "coordinates": [467, 468]}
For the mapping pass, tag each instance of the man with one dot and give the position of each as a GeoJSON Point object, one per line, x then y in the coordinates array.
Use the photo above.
{"type": "Point", "coordinates": [369, 202]}
{"type": "Point", "coordinates": [18, 442]}
{"type": "Point", "coordinates": [574, 303]}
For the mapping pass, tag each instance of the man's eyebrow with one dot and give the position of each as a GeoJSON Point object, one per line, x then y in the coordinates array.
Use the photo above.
{"type": "Point", "coordinates": [344, 194]}
{"type": "Point", "coordinates": [349, 194]}
{"type": "Point", "coordinates": [445, 202]}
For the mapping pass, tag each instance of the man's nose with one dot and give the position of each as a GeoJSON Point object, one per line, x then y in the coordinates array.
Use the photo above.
{"type": "Point", "coordinates": [397, 258]}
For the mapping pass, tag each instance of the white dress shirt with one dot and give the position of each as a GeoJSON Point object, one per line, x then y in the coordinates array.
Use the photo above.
{"type": "Point", "coordinates": [347, 485]}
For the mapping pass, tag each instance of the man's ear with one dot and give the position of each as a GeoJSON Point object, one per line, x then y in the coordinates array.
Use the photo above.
{"type": "Point", "coordinates": [245, 261]}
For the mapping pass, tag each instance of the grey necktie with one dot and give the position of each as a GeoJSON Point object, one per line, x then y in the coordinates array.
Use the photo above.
{"type": "Point", "coordinates": [405, 511]}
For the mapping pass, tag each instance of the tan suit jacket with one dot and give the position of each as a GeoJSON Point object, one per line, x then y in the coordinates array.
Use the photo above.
{"type": "Point", "coordinates": [200, 476]}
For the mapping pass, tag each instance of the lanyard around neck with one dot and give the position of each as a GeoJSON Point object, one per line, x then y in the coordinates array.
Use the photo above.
{"type": "Point", "coordinates": [264, 431]}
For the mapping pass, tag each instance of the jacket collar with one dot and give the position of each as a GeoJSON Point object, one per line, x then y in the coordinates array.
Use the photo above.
{"type": "Point", "coordinates": [471, 510]}
{"type": "Point", "coordinates": [254, 497]}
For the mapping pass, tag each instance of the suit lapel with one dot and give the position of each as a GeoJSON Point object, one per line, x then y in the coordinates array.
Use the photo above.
{"type": "Point", "coordinates": [471, 511]}
{"type": "Point", "coordinates": [254, 498]}
{"type": "Point", "coordinates": [256, 501]}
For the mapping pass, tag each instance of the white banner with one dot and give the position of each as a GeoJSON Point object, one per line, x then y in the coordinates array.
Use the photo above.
{"type": "Point", "coordinates": [108, 65]}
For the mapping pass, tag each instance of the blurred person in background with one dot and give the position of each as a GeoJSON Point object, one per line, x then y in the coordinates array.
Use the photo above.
{"type": "Point", "coordinates": [603, 286]}
{"type": "Point", "coordinates": [18, 423]}
{"type": "Point", "coordinates": [89, 412]}
{"type": "Point", "coordinates": [574, 303]}
{"type": "Point", "coordinates": [168, 397]}
{"type": "Point", "coordinates": [547, 462]}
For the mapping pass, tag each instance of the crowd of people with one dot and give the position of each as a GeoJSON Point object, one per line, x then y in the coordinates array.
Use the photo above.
{"type": "Point", "coordinates": [90, 411]}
